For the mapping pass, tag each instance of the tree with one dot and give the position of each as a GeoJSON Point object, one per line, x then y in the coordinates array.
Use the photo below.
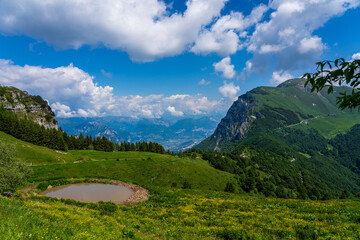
{"type": "Point", "coordinates": [326, 196]}
{"type": "Point", "coordinates": [186, 185]}
{"type": "Point", "coordinates": [229, 187]}
{"type": "Point", "coordinates": [344, 194]}
{"type": "Point", "coordinates": [13, 173]}
{"type": "Point", "coordinates": [339, 72]}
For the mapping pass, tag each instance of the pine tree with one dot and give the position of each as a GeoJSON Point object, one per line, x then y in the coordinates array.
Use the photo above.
{"type": "Point", "coordinates": [344, 194]}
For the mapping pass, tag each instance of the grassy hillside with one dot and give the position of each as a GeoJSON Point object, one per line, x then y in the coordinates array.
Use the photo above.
{"type": "Point", "coordinates": [141, 169]}
{"type": "Point", "coordinates": [136, 167]}
{"type": "Point", "coordinates": [295, 128]}
{"type": "Point", "coordinates": [182, 214]}
{"type": "Point", "coordinates": [318, 110]}
{"type": "Point", "coordinates": [289, 105]}
{"type": "Point", "coordinates": [36, 155]}
{"type": "Point", "coordinates": [170, 213]}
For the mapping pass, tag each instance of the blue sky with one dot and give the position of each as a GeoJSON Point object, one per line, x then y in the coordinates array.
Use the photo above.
{"type": "Point", "coordinates": [150, 58]}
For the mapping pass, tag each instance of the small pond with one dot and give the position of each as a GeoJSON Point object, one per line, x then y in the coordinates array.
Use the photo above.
{"type": "Point", "coordinates": [90, 192]}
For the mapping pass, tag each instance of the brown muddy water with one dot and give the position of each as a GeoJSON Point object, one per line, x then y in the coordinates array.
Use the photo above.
{"type": "Point", "coordinates": [90, 192]}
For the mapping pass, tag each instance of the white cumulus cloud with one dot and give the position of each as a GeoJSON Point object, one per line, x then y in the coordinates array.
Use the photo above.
{"type": "Point", "coordinates": [72, 92]}
{"type": "Point", "coordinates": [69, 83]}
{"type": "Point", "coordinates": [286, 40]}
{"type": "Point", "coordinates": [311, 44]}
{"type": "Point", "coordinates": [226, 68]}
{"type": "Point", "coordinates": [356, 56]}
{"type": "Point", "coordinates": [173, 112]}
{"type": "Point", "coordinates": [223, 36]}
{"type": "Point", "coordinates": [148, 30]}
{"type": "Point", "coordinates": [203, 82]}
{"type": "Point", "coordinates": [142, 28]}
{"type": "Point", "coordinates": [280, 77]}
{"type": "Point", "coordinates": [229, 90]}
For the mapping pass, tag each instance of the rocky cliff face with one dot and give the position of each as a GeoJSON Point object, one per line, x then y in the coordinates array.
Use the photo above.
{"type": "Point", "coordinates": [235, 125]}
{"type": "Point", "coordinates": [25, 105]}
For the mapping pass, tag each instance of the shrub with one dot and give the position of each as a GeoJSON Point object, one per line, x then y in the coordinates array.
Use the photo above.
{"type": "Point", "coordinates": [43, 186]}
{"type": "Point", "coordinates": [186, 185]}
{"type": "Point", "coordinates": [344, 194]}
{"type": "Point", "coordinates": [107, 207]}
{"type": "Point", "coordinates": [128, 233]}
{"type": "Point", "coordinates": [233, 234]}
{"type": "Point", "coordinates": [326, 196]}
{"type": "Point", "coordinates": [229, 187]}
{"type": "Point", "coordinates": [307, 232]}
{"type": "Point", "coordinates": [13, 172]}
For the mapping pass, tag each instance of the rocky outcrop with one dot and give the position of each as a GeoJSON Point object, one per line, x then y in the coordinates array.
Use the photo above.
{"type": "Point", "coordinates": [32, 107]}
{"type": "Point", "coordinates": [235, 125]}
{"type": "Point", "coordinates": [298, 83]}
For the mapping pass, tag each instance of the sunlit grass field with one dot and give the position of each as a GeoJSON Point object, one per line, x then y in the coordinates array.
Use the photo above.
{"type": "Point", "coordinates": [203, 212]}
{"type": "Point", "coordinates": [145, 169]}
{"type": "Point", "coordinates": [183, 214]}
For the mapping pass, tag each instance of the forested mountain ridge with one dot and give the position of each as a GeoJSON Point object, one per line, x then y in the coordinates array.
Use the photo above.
{"type": "Point", "coordinates": [293, 132]}
{"type": "Point", "coordinates": [34, 108]}
{"type": "Point", "coordinates": [289, 105]}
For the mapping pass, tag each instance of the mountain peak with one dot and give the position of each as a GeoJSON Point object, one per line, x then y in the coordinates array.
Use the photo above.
{"type": "Point", "coordinates": [296, 82]}
{"type": "Point", "coordinates": [269, 108]}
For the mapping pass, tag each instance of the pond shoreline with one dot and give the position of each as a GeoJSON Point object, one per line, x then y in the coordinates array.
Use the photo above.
{"type": "Point", "coordinates": [139, 194]}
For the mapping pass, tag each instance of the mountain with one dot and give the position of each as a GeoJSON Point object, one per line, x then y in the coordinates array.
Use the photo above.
{"type": "Point", "coordinates": [24, 105]}
{"type": "Point", "coordinates": [287, 128]}
{"type": "Point", "coordinates": [288, 105]}
{"type": "Point", "coordinates": [204, 212]}
{"type": "Point", "coordinates": [98, 129]}
{"type": "Point", "coordinates": [173, 134]}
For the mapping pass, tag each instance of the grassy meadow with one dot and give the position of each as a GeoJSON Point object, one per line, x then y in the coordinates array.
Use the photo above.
{"type": "Point", "coordinates": [203, 212]}
{"type": "Point", "coordinates": [183, 214]}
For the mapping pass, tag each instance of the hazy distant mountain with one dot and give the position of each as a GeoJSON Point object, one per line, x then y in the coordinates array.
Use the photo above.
{"type": "Point", "coordinates": [173, 134]}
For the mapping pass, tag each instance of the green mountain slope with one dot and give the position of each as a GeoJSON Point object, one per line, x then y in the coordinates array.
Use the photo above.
{"type": "Point", "coordinates": [294, 124]}
{"type": "Point", "coordinates": [315, 110]}
{"type": "Point", "coordinates": [288, 105]}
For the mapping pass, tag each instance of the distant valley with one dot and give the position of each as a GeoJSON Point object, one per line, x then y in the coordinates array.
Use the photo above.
{"type": "Point", "coordinates": [173, 134]}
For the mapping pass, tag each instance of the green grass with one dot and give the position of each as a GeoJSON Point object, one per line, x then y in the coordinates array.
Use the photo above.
{"type": "Point", "coordinates": [142, 168]}
{"type": "Point", "coordinates": [327, 118]}
{"type": "Point", "coordinates": [137, 168]}
{"type": "Point", "coordinates": [36, 155]}
{"type": "Point", "coordinates": [330, 126]}
{"type": "Point", "coordinates": [183, 214]}
{"type": "Point", "coordinates": [170, 213]}
{"type": "Point", "coordinates": [318, 109]}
